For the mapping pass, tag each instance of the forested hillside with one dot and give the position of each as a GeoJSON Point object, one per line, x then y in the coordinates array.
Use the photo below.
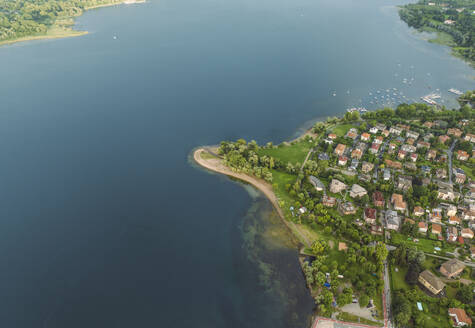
{"type": "Point", "coordinates": [21, 18]}
{"type": "Point", "coordinates": [453, 18]}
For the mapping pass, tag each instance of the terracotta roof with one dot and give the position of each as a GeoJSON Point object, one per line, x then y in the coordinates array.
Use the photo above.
{"type": "Point", "coordinates": [461, 315]}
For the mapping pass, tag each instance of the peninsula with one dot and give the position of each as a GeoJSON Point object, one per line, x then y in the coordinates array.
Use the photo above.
{"type": "Point", "coordinates": [383, 206]}
{"type": "Point", "coordinates": [25, 20]}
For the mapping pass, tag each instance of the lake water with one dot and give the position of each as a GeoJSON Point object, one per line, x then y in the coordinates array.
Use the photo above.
{"type": "Point", "coordinates": [104, 222]}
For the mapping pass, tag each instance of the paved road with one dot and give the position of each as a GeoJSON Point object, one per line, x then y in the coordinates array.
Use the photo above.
{"type": "Point", "coordinates": [471, 264]}
{"type": "Point", "coordinates": [387, 297]}
{"type": "Point", "coordinates": [449, 155]}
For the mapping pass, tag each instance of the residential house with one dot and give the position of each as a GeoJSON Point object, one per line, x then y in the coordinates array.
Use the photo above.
{"type": "Point", "coordinates": [323, 157]}
{"type": "Point", "coordinates": [328, 201]}
{"type": "Point", "coordinates": [441, 173]}
{"type": "Point", "coordinates": [398, 202]}
{"type": "Point", "coordinates": [365, 136]}
{"type": "Point", "coordinates": [336, 186]}
{"type": "Point", "coordinates": [431, 154]}
{"type": "Point", "coordinates": [412, 134]}
{"type": "Point", "coordinates": [403, 126]}
{"type": "Point", "coordinates": [381, 126]}
{"type": "Point", "coordinates": [459, 317]}
{"type": "Point", "coordinates": [378, 199]}
{"type": "Point", "coordinates": [411, 221]}
{"type": "Point", "coordinates": [422, 227]}
{"type": "Point", "coordinates": [418, 211]}
{"type": "Point", "coordinates": [443, 139]}
{"type": "Point", "coordinates": [464, 122]}
{"type": "Point", "coordinates": [357, 191]}
{"type": "Point", "coordinates": [342, 246]}
{"type": "Point", "coordinates": [451, 268]}
{"type": "Point", "coordinates": [410, 166]}
{"type": "Point", "coordinates": [352, 133]}
{"type": "Point", "coordinates": [460, 177]}
{"type": "Point", "coordinates": [393, 221]}
{"type": "Point", "coordinates": [378, 140]}
{"type": "Point", "coordinates": [451, 210]}
{"type": "Point", "coordinates": [385, 133]}
{"type": "Point", "coordinates": [356, 153]}
{"type": "Point", "coordinates": [393, 164]}
{"type": "Point", "coordinates": [436, 215]}
{"type": "Point", "coordinates": [346, 208]}
{"type": "Point", "coordinates": [467, 233]}
{"type": "Point", "coordinates": [462, 155]}
{"type": "Point", "coordinates": [317, 184]}
{"type": "Point", "coordinates": [386, 174]}
{"type": "Point", "coordinates": [408, 148]}
{"type": "Point", "coordinates": [423, 144]}
{"type": "Point", "coordinates": [374, 148]}
{"type": "Point", "coordinates": [392, 147]}
{"type": "Point", "coordinates": [404, 182]}
{"type": "Point", "coordinates": [365, 177]}
{"type": "Point", "coordinates": [367, 167]}
{"type": "Point", "coordinates": [373, 130]}
{"type": "Point", "coordinates": [436, 229]}
{"type": "Point", "coordinates": [410, 141]}
{"type": "Point", "coordinates": [468, 215]}
{"type": "Point", "coordinates": [428, 124]}
{"type": "Point", "coordinates": [342, 160]}
{"type": "Point", "coordinates": [370, 215]}
{"type": "Point", "coordinates": [453, 220]}
{"type": "Point", "coordinates": [452, 234]}
{"type": "Point", "coordinates": [469, 137]}
{"type": "Point", "coordinates": [354, 164]}
{"type": "Point", "coordinates": [340, 149]}
{"type": "Point", "coordinates": [431, 282]}
{"type": "Point", "coordinates": [395, 130]}
{"type": "Point", "coordinates": [414, 157]}
{"type": "Point", "coordinates": [332, 136]}
{"type": "Point", "coordinates": [401, 154]}
{"type": "Point", "coordinates": [446, 194]}
{"type": "Point", "coordinates": [454, 132]}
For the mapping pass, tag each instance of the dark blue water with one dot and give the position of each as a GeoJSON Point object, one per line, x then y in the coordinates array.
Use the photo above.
{"type": "Point", "coordinates": [103, 220]}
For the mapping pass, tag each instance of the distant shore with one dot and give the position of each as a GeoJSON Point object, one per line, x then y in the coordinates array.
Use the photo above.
{"type": "Point", "coordinates": [60, 31]}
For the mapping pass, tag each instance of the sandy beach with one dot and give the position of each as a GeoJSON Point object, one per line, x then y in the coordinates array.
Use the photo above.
{"type": "Point", "coordinates": [217, 165]}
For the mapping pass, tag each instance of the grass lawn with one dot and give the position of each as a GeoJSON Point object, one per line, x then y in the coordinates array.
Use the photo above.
{"type": "Point", "coordinates": [291, 153]}
{"type": "Point", "coordinates": [279, 180]}
{"type": "Point", "coordinates": [345, 316]}
{"type": "Point", "coordinates": [206, 155]}
{"type": "Point", "coordinates": [397, 278]}
{"type": "Point", "coordinates": [341, 129]}
{"type": "Point", "coordinates": [441, 37]}
{"type": "Point", "coordinates": [424, 244]}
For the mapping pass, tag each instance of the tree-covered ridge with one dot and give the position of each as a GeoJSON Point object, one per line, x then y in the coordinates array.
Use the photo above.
{"type": "Point", "coordinates": [20, 18]}
{"type": "Point", "coordinates": [453, 17]}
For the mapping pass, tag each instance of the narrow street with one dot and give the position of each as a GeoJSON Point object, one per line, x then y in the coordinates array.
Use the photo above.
{"type": "Point", "coordinates": [449, 155]}
{"type": "Point", "coordinates": [387, 297]}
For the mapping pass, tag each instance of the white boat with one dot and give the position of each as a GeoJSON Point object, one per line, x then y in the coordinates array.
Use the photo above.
{"type": "Point", "coordinates": [456, 92]}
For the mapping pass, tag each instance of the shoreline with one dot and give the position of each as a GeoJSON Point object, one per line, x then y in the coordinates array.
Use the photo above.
{"type": "Point", "coordinates": [68, 32]}
{"type": "Point", "coordinates": [216, 165]}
